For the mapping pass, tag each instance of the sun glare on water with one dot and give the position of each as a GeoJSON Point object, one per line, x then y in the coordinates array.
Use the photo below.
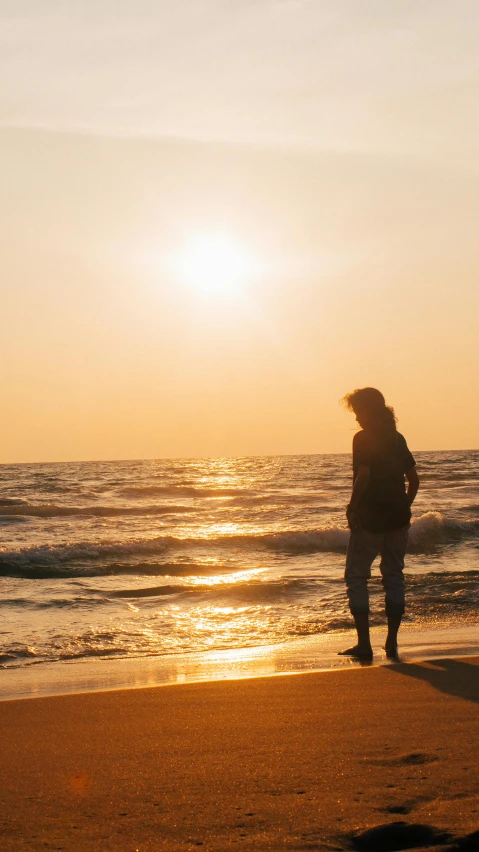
{"type": "Point", "coordinates": [215, 264]}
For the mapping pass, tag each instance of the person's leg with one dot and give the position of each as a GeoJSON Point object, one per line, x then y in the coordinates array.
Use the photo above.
{"type": "Point", "coordinates": [362, 550]}
{"type": "Point", "coordinates": [392, 567]}
{"type": "Point", "coordinates": [361, 623]}
{"type": "Point", "coordinates": [391, 643]}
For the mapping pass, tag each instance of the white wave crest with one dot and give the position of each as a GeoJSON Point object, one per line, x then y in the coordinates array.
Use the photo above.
{"type": "Point", "coordinates": [330, 538]}
{"type": "Point", "coordinates": [435, 528]}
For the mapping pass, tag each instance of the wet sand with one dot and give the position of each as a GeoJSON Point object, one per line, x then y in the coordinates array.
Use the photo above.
{"type": "Point", "coordinates": [293, 762]}
{"type": "Point", "coordinates": [318, 652]}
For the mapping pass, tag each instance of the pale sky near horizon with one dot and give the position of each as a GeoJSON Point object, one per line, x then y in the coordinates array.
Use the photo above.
{"type": "Point", "coordinates": [333, 145]}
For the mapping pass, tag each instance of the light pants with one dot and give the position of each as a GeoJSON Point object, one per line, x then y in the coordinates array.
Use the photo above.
{"type": "Point", "coordinates": [363, 548]}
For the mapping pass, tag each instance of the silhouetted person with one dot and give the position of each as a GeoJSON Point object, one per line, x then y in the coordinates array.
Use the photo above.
{"type": "Point", "coordinates": [378, 514]}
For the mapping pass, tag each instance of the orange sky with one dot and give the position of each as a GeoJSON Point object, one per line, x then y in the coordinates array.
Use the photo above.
{"type": "Point", "coordinates": [335, 146]}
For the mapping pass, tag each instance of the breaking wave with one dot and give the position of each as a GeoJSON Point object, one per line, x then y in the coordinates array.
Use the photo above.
{"type": "Point", "coordinates": [433, 529]}
{"type": "Point", "coordinates": [102, 558]}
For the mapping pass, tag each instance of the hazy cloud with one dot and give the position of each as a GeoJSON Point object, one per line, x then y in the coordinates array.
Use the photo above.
{"type": "Point", "coordinates": [353, 74]}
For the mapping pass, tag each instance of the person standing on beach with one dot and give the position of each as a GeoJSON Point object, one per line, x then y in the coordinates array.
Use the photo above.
{"type": "Point", "coordinates": [378, 515]}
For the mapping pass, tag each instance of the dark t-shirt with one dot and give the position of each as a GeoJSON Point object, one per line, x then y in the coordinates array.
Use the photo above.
{"type": "Point", "coordinates": [384, 505]}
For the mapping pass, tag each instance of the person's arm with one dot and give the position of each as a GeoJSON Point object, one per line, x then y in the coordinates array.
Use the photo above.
{"type": "Point", "coordinates": [412, 484]}
{"type": "Point", "coordinates": [361, 482]}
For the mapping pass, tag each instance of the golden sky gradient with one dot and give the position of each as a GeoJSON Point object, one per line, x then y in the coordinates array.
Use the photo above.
{"type": "Point", "coordinates": [333, 145]}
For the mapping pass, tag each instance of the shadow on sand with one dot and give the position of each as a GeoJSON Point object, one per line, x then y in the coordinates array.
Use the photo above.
{"type": "Point", "coordinates": [454, 677]}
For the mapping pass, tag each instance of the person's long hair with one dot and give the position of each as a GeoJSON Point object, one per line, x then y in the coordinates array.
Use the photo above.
{"type": "Point", "coordinates": [369, 404]}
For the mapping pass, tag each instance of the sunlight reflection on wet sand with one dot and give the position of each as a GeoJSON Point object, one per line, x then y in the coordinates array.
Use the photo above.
{"type": "Point", "coordinates": [308, 654]}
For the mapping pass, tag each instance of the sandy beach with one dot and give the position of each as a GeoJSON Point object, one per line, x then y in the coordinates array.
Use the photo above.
{"type": "Point", "coordinates": [239, 436]}
{"type": "Point", "coordinates": [293, 762]}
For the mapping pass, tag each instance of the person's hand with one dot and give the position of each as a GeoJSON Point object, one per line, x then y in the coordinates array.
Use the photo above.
{"type": "Point", "coordinates": [352, 519]}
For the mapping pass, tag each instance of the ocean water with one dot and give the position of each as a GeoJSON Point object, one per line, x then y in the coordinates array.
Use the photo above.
{"type": "Point", "coordinates": [151, 558]}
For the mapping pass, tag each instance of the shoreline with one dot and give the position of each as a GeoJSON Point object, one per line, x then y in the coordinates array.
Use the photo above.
{"type": "Point", "coordinates": [310, 654]}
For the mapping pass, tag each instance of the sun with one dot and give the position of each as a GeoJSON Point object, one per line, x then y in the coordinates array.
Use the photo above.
{"type": "Point", "coordinates": [214, 263]}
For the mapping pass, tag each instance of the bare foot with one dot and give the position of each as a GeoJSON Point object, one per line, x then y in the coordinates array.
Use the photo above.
{"type": "Point", "coordinates": [360, 652]}
{"type": "Point", "coordinates": [391, 649]}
